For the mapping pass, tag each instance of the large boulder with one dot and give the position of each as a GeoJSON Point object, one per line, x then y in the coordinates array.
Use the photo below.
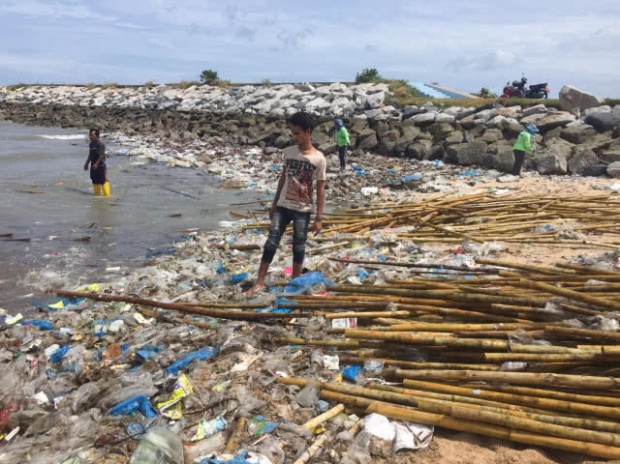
{"type": "Point", "coordinates": [388, 142]}
{"type": "Point", "coordinates": [468, 153]}
{"type": "Point", "coordinates": [613, 170]}
{"type": "Point", "coordinates": [537, 109]}
{"type": "Point", "coordinates": [610, 156]}
{"type": "Point", "coordinates": [604, 121]}
{"type": "Point", "coordinates": [571, 98]}
{"type": "Point", "coordinates": [552, 161]}
{"type": "Point", "coordinates": [410, 111]}
{"type": "Point", "coordinates": [468, 122]}
{"type": "Point", "coordinates": [424, 118]}
{"type": "Point", "coordinates": [581, 160]}
{"type": "Point", "coordinates": [512, 128]}
{"type": "Point", "coordinates": [509, 112]}
{"type": "Point", "coordinates": [533, 118]}
{"type": "Point", "coordinates": [438, 152]}
{"type": "Point", "coordinates": [367, 140]}
{"type": "Point", "coordinates": [578, 134]}
{"type": "Point", "coordinates": [374, 101]}
{"type": "Point", "coordinates": [420, 150]}
{"type": "Point", "coordinates": [555, 119]}
{"type": "Point", "coordinates": [504, 160]}
{"type": "Point", "coordinates": [445, 118]}
{"type": "Point", "coordinates": [492, 135]}
{"type": "Point", "coordinates": [454, 138]}
{"type": "Point", "coordinates": [440, 131]}
{"type": "Point", "coordinates": [595, 170]}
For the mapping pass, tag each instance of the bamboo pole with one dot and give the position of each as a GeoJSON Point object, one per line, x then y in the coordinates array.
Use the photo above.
{"type": "Point", "coordinates": [369, 314]}
{"type": "Point", "coordinates": [584, 333]}
{"type": "Point", "coordinates": [570, 294]}
{"type": "Point", "coordinates": [417, 365]}
{"type": "Point", "coordinates": [410, 415]}
{"type": "Point", "coordinates": [517, 378]}
{"type": "Point", "coordinates": [217, 313]}
{"type": "Point", "coordinates": [554, 394]}
{"type": "Point", "coordinates": [570, 407]}
{"type": "Point", "coordinates": [521, 423]}
{"type": "Point", "coordinates": [320, 419]}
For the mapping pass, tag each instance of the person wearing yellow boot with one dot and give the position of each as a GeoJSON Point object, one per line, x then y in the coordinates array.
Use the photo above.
{"type": "Point", "coordinates": [96, 160]}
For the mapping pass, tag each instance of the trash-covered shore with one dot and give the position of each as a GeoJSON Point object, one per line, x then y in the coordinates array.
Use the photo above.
{"type": "Point", "coordinates": [447, 271]}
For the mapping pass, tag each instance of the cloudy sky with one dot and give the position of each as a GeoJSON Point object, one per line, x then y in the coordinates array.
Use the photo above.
{"type": "Point", "coordinates": [459, 43]}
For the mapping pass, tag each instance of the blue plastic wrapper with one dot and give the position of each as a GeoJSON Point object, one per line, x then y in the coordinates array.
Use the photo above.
{"type": "Point", "coordinates": [264, 426]}
{"type": "Point", "coordinates": [149, 351]}
{"type": "Point", "coordinates": [305, 282]}
{"type": "Point", "coordinates": [411, 177]}
{"type": "Point", "coordinates": [43, 325]}
{"type": "Point", "coordinates": [284, 306]}
{"type": "Point", "coordinates": [220, 269]}
{"type": "Point", "coordinates": [58, 355]}
{"type": "Point", "coordinates": [138, 403]}
{"type": "Point", "coordinates": [202, 355]}
{"type": "Point", "coordinates": [241, 458]}
{"type": "Point", "coordinates": [350, 373]}
{"type": "Point", "coordinates": [470, 173]}
{"type": "Point", "coordinates": [238, 277]}
{"type": "Point", "coordinates": [363, 274]}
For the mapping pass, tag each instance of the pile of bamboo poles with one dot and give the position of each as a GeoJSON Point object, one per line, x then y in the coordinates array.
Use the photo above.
{"type": "Point", "coordinates": [490, 354]}
{"type": "Point", "coordinates": [485, 217]}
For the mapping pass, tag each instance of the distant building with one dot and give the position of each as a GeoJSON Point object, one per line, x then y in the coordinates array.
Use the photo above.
{"type": "Point", "coordinates": [438, 91]}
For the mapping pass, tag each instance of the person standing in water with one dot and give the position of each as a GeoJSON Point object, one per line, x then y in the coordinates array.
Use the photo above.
{"type": "Point", "coordinates": [304, 166]}
{"type": "Point", "coordinates": [343, 142]}
{"type": "Point", "coordinates": [98, 169]}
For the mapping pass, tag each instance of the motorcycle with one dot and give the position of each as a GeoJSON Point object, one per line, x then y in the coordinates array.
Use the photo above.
{"type": "Point", "coordinates": [517, 90]}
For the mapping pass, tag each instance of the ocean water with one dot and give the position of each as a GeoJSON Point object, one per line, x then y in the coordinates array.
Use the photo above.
{"type": "Point", "coordinates": [66, 235]}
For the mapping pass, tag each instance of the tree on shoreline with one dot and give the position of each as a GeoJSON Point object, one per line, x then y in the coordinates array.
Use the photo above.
{"type": "Point", "coordinates": [209, 77]}
{"type": "Point", "coordinates": [367, 75]}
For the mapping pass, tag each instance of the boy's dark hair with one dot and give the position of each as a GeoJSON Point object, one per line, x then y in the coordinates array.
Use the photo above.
{"type": "Point", "coordinates": [95, 131]}
{"type": "Point", "coordinates": [302, 120]}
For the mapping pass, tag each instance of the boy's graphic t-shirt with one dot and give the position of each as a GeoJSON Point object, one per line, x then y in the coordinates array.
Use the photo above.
{"type": "Point", "coordinates": [301, 173]}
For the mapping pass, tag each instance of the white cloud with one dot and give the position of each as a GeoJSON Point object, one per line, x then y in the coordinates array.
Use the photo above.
{"type": "Point", "coordinates": [461, 44]}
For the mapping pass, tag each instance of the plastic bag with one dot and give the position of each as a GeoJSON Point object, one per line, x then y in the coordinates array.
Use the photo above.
{"type": "Point", "coordinates": [138, 403]}
{"type": "Point", "coordinates": [303, 283]}
{"type": "Point", "coordinates": [308, 396]}
{"type": "Point", "coordinates": [159, 446]}
{"type": "Point", "coordinates": [202, 354]}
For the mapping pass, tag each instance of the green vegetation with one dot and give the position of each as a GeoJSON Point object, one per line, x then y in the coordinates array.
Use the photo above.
{"type": "Point", "coordinates": [368, 75]}
{"type": "Point", "coordinates": [20, 86]}
{"type": "Point", "coordinates": [149, 84]}
{"type": "Point", "coordinates": [266, 82]}
{"type": "Point", "coordinates": [485, 93]}
{"type": "Point", "coordinates": [209, 77]}
{"type": "Point", "coordinates": [403, 93]}
{"type": "Point", "coordinates": [183, 85]}
{"type": "Point", "coordinates": [109, 85]}
{"type": "Point", "coordinates": [222, 83]}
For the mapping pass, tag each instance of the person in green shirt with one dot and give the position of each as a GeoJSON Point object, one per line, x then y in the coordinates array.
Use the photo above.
{"type": "Point", "coordinates": [522, 146]}
{"type": "Point", "coordinates": [343, 142]}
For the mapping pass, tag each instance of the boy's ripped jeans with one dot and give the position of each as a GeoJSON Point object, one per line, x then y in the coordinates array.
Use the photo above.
{"type": "Point", "coordinates": [281, 219]}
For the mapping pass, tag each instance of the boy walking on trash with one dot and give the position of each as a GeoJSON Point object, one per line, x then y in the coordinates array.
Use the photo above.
{"type": "Point", "coordinates": [522, 146]}
{"type": "Point", "coordinates": [343, 142]}
{"type": "Point", "coordinates": [304, 166]}
{"type": "Point", "coordinates": [96, 159]}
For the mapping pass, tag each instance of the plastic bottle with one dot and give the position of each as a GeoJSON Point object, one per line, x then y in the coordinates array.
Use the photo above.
{"type": "Point", "coordinates": [159, 446]}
